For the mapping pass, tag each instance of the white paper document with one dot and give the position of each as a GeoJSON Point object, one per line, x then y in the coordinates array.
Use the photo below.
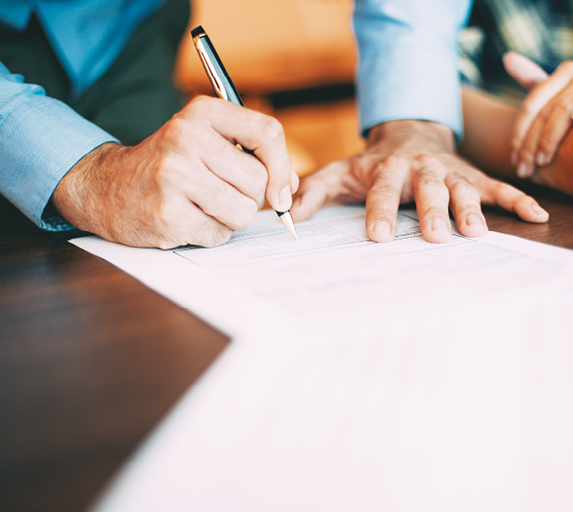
{"type": "Point", "coordinates": [336, 279]}
{"type": "Point", "coordinates": [398, 376]}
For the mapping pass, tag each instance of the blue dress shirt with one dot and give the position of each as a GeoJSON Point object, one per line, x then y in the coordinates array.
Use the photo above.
{"type": "Point", "coordinates": [407, 70]}
{"type": "Point", "coordinates": [408, 60]}
{"type": "Point", "coordinates": [42, 138]}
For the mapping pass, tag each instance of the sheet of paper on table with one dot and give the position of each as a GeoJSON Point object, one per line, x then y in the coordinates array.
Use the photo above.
{"type": "Point", "coordinates": [362, 375]}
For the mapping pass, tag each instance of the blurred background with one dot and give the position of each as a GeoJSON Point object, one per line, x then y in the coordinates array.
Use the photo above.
{"type": "Point", "coordinates": [292, 59]}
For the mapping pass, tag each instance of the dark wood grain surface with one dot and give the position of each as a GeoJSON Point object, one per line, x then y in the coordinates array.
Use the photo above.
{"type": "Point", "coordinates": [559, 229]}
{"type": "Point", "coordinates": [90, 359]}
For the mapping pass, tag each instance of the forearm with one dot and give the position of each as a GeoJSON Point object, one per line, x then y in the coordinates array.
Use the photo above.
{"type": "Point", "coordinates": [488, 126]}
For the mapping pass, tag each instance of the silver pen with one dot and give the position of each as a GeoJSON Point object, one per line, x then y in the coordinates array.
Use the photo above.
{"type": "Point", "coordinates": [225, 89]}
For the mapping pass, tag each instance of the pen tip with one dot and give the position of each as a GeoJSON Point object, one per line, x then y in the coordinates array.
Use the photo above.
{"type": "Point", "coordinates": [288, 223]}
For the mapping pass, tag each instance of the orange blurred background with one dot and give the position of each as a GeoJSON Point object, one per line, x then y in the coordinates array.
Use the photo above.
{"type": "Point", "coordinates": [292, 59]}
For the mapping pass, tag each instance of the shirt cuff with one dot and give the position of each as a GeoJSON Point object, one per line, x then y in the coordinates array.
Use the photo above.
{"type": "Point", "coordinates": [40, 141]}
{"type": "Point", "coordinates": [427, 88]}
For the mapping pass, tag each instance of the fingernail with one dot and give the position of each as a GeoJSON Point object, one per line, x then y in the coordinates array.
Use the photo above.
{"type": "Point", "coordinates": [522, 170]}
{"type": "Point", "coordinates": [382, 230]}
{"type": "Point", "coordinates": [514, 158]}
{"type": "Point", "coordinates": [438, 225]}
{"type": "Point", "coordinates": [473, 220]}
{"type": "Point", "coordinates": [538, 210]}
{"type": "Point", "coordinates": [530, 169]}
{"type": "Point", "coordinates": [540, 159]}
{"type": "Point", "coordinates": [294, 182]}
{"type": "Point", "coordinates": [285, 199]}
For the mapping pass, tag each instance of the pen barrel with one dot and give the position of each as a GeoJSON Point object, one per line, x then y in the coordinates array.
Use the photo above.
{"type": "Point", "coordinates": [218, 76]}
{"type": "Point", "coordinates": [225, 89]}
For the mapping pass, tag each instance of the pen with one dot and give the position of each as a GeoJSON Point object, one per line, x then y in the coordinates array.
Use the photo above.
{"type": "Point", "coordinates": [225, 89]}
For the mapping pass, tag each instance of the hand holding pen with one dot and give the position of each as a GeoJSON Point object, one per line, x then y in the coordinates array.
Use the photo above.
{"type": "Point", "coordinates": [186, 184]}
{"type": "Point", "coordinates": [225, 89]}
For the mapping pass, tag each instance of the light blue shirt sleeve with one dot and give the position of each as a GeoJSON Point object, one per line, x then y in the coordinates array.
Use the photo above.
{"type": "Point", "coordinates": [40, 140]}
{"type": "Point", "coordinates": [408, 60]}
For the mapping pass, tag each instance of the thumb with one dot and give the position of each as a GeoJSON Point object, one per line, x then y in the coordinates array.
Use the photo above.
{"type": "Point", "coordinates": [318, 189]}
{"type": "Point", "coordinates": [310, 197]}
{"type": "Point", "coordinates": [523, 70]}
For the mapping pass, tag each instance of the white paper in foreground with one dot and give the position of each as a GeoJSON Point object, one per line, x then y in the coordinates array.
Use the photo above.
{"type": "Point", "coordinates": [364, 376]}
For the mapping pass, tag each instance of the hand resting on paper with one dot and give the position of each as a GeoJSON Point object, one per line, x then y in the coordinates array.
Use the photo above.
{"type": "Point", "coordinates": [188, 183]}
{"type": "Point", "coordinates": [409, 160]}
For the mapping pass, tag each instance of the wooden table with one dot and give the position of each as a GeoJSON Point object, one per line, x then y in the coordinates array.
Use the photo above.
{"type": "Point", "coordinates": [559, 229]}
{"type": "Point", "coordinates": [90, 360]}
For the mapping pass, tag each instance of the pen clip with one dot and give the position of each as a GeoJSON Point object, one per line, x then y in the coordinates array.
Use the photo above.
{"type": "Point", "coordinates": [210, 69]}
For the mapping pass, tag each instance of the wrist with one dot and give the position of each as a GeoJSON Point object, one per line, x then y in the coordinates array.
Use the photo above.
{"type": "Point", "coordinates": [428, 134]}
{"type": "Point", "coordinates": [73, 197]}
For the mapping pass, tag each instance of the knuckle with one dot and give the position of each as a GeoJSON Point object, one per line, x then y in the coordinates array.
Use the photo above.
{"type": "Point", "coordinates": [427, 161]}
{"type": "Point", "coordinates": [386, 189]}
{"type": "Point", "coordinates": [272, 129]}
{"type": "Point", "coordinates": [377, 172]}
{"type": "Point", "coordinates": [260, 178]}
{"type": "Point", "coordinates": [458, 184]}
{"type": "Point", "coordinates": [462, 190]}
{"type": "Point", "coordinates": [219, 196]}
{"type": "Point", "coordinates": [527, 108]}
{"type": "Point", "coordinates": [220, 146]}
{"type": "Point", "coordinates": [230, 207]}
{"type": "Point", "coordinates": [520, 201]}
{"type": "Point", "coordinates": [467, 178]}
{"type": "Point", "coordinates": [393, 161]}
{"type": "Point", "coordinates": [362, 159]}
{"type": "Point", "coordinates": [526, 153]}
{"type": "Point", "coordinates": [502, 189]}
{"type": "Point", "coordinates": [565, 106]}
{"type": "Point", "coordinates": [214, 235]}
{"type": "Point", "coordinates": [545, 113]}
{"type": "Point", "coordinates": [205, 231]}
{"type": "Point", "coordinates": [497, 185]}
{"type": "Point", "coordinates": [360, 165]}
{"type": "Point", "coordinates": [546, 142]}
{"type": "Point", "coordinates": [246, 214]}
{"type": "Point", "coordinates": [201, 103]}
{"type": "Point", "coordinates": [175, 132]}
{"type": "Point", "coordinates": [164, 170]}
{"type": "Point", "coordinates": [385, 168]}
{"type": "Point", "coordinates": [426, 176]}
{"type": "Point", "coordinates": [426, 181]}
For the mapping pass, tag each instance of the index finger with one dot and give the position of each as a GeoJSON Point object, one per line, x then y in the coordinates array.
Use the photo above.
{"type": "Point", "coordinates": [537, 100]}
{"type": "Point", "coordinates": [261, 134]}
